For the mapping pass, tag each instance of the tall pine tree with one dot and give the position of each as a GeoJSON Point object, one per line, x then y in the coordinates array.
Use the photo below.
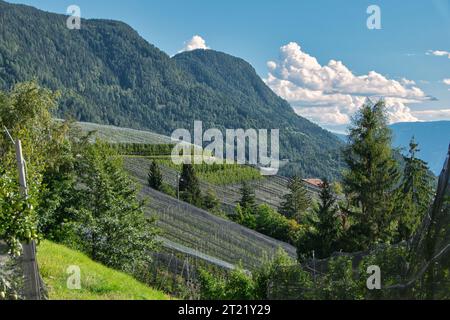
{"type": "Point", "coordinates": [415, 193]}
{"type": "Point", "coordinates": [296, 203]}
{"type": "Point", "coordinates": [248, 200]}
{"type": "Point", "coordinates": [155, 179]}
{"type": "Point", "coordinates": [329, 226]}
{"type": "Point", "coordinates": [371, 177]}
{"type": "Point", "coordinates": [190, 186]}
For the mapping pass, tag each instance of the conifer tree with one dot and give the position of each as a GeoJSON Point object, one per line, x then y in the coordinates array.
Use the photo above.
{"type": "Point", "coordinates": [296, 202]}
{"type": "Point", "coordinates": [109, 221]}
{"type": "Point", "coordinates": [190, 186]}
{"type": "Point", "coordinates": [248, 200]}
{"type": "Point", "coordinates": [414, 194]}
{"type": "Point", "coordinates": [329, 226]}
{"type": "Point", "coordinates": [155, 179]}
{"type": "Point", "coordinates": [371, 177]}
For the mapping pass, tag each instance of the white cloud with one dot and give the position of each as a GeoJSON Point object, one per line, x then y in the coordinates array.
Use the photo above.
{"type": "Point", "coordinates": [433, 115]}
{"type": "Point", "coordinates": [439, 53]}
{"type": "Point", "coordinates": [446, 81]}
{"type": "Point", "coordinates": [330, 94]}
{"type": "Point", "coordinates": [196, 42]}
{"type": "Point", "coordinates": [407, 82]}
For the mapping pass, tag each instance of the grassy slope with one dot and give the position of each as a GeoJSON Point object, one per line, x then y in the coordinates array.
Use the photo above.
{"type": "Point", "coordinates": [97, 281]}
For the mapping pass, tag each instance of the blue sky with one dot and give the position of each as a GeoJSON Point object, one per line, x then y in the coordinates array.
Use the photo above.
{"type": "Point", "coordinates": [412, 44]}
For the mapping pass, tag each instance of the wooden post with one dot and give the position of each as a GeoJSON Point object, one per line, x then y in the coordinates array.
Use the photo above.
{"type": "Point", "coordinates": [32, 280]}
{"type": "Point", "coordinates": [21, 169]}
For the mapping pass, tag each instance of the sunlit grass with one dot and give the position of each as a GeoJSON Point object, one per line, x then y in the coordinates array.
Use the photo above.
{"type": "Point", "coordinates": [97, 281]}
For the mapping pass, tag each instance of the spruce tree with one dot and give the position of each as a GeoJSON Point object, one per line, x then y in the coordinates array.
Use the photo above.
{"type": "Point", "coordinates": [371, 177]}
{"type": "Point", "coordinates": [248, 199]}
{"type": "Point", "coordinates": [329, 226]}
{"type": "Point", "coordinates": [155, 179]}
{"type": "Point", "coordinates": [189, 185]}
{"type": "Point", "coordinates": [414, 194]}
{"type": "Point", "coordinates": [296, 202]}
{"type": "Point", "coordinates": [109, 222]}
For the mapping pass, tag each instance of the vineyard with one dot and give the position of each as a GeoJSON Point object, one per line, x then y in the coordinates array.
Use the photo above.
{"type": "Point", "coordinates": [204, 233]}
{"type": "Point", "coordinates": [268, 189]}
{"type": "Point", "coordinates": [114, 134]}
{"type": "Point", "coordinates": [186, 229]}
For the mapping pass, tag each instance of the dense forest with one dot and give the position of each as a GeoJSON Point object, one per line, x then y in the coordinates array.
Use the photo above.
{"type": "Point", "coordinates": [108, 74]}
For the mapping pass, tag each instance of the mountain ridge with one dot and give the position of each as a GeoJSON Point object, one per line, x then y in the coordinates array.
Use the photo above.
{"type": "Point", "coordinates": [108, 74]}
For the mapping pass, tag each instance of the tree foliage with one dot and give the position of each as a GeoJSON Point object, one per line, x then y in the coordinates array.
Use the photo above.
{"type": "Point", "coordinates": [189, 185]}
{"type": "Point", "coordinates": [415, 193]}
{"type": "Point", "coordinates": [371, 177]}
{"type": "Point", "coordinates": [241, 285]}
{"type": "Point", "coordinates": [296, 202]}
{"type": "Point", "coordinates": [155, 178]}
{"type": "Point", "coordinates": [25, 112]}
{"type": "Point", "coordinates": [326, 239]}
{"type": "Point", "coordinates": [248, 199]}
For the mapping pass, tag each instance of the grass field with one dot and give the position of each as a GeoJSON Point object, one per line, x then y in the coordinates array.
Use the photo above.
{"type": "Point", "coordinates": [97, 281]}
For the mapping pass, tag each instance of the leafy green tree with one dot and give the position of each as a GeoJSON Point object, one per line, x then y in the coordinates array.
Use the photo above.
{"type": "Point", "coordinates": [268, 271]}
{"type": "Point", "coordinates": [155, 178]}
{"type": "Point", "coordinates": [415, 193]}
{"type": "Point", "coordinates": [26, 112]}
{"type": "Point", "coordinates": [237, 285]}
{"type": "Point", "coordinates": [248, 199]}
{"type": "Point", "coordinates": [190, 186]}
{"type": "Point", "coordinates": [210, 201]}
{"type": "Point", "coordinates": [371, 177]}
{"type": "Point", "coordinates": [339, 282]}
{"type": "Point", "coordinates": [57, 195]}
{"type": "Point", "coordinates": [296, 202]}
{"type": "Point", "coordinates": [241, 285]}
{"type": "Point", "coordinates": [244, 217]}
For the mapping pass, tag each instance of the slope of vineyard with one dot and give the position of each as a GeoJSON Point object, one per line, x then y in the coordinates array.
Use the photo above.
{"type": "Point", "coordinates": [193, 231]}
{"type": "Point", "coordinates": [199, 230]}
{"type": "Point", "coordinates": [114, 134]}
{"type": "Point", "coordinates": [268, 189]}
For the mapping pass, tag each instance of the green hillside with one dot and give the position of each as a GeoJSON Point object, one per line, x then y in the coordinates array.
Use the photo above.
{"type": "Point", "coordinates": [97, 281]}
{"type": "Point", "coordinates": [108, 74]}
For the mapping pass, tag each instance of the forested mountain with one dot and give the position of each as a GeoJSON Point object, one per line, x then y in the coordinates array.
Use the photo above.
{"type": "Point", "coordinates": [108, 74]}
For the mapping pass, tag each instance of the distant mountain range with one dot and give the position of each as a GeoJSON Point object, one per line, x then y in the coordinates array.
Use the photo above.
{"type": "Point", "coordinates": [433, 138]}
{"type": "Point", "coordinates": [108, 74]}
